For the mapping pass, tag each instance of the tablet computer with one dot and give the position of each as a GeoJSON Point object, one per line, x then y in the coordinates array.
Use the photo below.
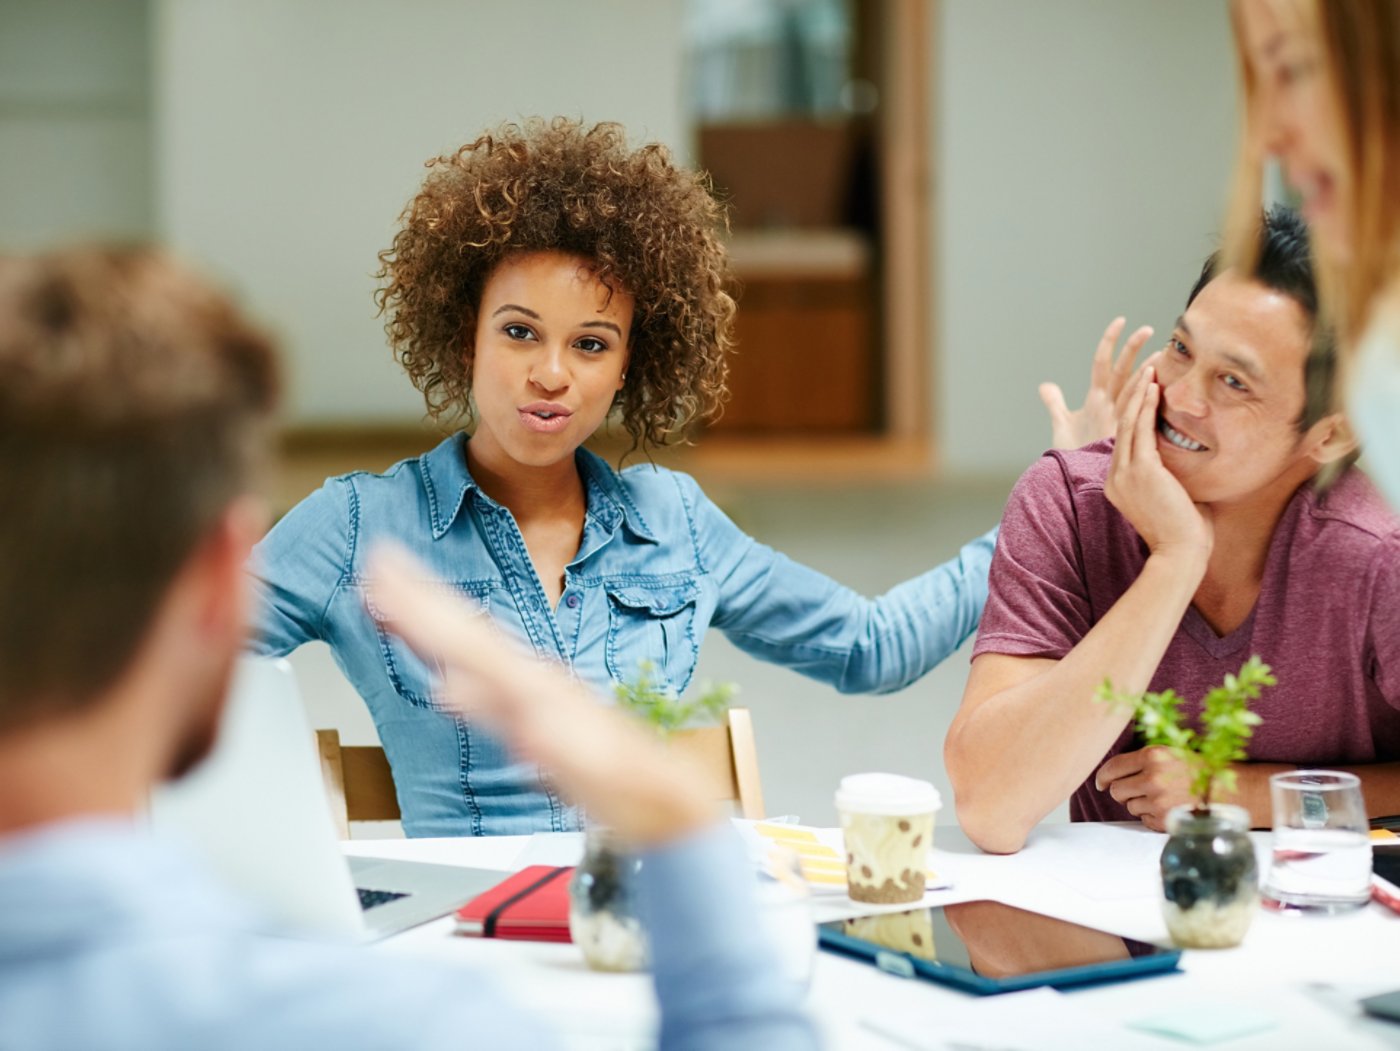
{"type": "Point", "coordinates": [987, 947]}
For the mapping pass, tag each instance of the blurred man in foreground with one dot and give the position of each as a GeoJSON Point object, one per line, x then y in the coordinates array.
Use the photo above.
{"type": "Point", "coordinates": [135, 407]}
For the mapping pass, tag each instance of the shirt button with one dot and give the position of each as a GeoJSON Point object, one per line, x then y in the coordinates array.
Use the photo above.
{"type": "Point", "coordinates": [572, 602]}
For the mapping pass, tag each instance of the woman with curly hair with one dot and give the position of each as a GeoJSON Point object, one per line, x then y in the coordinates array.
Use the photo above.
{"type": "Point", "coordinates": [542, 278]}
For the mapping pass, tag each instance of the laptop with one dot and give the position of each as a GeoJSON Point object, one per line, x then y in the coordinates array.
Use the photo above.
{"type": "Point", "coordinates": [256, 812]}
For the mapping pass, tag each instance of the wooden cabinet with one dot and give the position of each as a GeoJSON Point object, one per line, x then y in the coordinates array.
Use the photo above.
{"type": "Point", "coordinates": [806, 359]}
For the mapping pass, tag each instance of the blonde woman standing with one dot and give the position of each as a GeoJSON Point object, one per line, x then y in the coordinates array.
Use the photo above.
{"type": "Point", "coordinates": [1322, 93]}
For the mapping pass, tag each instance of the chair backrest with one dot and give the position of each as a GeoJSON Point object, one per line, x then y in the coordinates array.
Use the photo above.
{"type": "Point", "coordinates": [361, 785]}
{"type": "Point", "coordinates": [730, 752]}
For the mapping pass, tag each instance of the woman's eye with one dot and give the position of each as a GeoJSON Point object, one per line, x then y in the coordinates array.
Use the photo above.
{"type": "Point", "coordinates": [1234, 383]}
{"type": "Point", "coordinates": [518, 331]}
{"type": "Point", "coordinates": [591, 344]}
{"type": "Point", "coordinates": [1177, 347]}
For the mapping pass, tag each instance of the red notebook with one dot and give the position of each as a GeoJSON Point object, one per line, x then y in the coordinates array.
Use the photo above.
{"type": "Point", "coordinates": [532, 905]}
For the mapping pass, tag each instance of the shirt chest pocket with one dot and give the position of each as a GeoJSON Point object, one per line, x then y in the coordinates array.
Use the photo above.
{"type": "Point", "coordinates": [656, 624]}
{"type": "Point", "coordinates": [412, 677]}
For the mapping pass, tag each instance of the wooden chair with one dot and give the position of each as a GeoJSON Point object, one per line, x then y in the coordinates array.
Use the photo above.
{"type": "Point", "coordinates": [729, 751]}
{"type": "Point", "coordinates": [360, 784]}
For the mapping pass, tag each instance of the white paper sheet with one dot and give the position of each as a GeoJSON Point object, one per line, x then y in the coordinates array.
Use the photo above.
{"type": "Point", "coordinates": [551, 848]}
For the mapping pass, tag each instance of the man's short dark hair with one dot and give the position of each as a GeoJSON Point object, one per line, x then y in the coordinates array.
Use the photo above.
{"type": "Point", "coordinates": [135, 403]}
{"type": "Point", "coordinates": [1284, 264]}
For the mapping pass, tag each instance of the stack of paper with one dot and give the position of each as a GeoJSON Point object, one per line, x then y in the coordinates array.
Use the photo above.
{"type": "Point", "coordinates": [821, 852]}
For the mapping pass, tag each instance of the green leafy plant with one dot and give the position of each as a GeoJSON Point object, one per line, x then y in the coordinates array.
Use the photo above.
{"type": "Point", "coordinates": [663, 709]}
{"type": "Point", "coordinates": [1226, 724]}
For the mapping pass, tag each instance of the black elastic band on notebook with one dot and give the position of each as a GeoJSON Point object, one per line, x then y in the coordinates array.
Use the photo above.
{"type": "Point", "coordinates": [488, 926]}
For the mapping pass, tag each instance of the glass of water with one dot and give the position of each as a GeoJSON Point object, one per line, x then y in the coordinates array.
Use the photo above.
{"type": "Point", "coordinates": [1322, 843]}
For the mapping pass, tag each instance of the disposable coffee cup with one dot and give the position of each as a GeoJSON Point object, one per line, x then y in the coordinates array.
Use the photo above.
{"type": "Point", "coordinates": [887, 821]}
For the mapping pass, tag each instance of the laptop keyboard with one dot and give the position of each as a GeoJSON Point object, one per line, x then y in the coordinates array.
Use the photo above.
{"type": "Point", "coordinates": [370, 898]}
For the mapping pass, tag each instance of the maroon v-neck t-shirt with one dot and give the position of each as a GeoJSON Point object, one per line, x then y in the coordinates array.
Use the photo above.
{"type": "Point", "coordinates": [1327, 619]}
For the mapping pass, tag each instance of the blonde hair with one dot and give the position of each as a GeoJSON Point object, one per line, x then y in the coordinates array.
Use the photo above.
{"type": "Point", "coordinates": [1358, 44]}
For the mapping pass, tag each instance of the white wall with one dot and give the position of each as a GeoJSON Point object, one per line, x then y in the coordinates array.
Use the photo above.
{"type": "Point", "coordinates": [290, 135]}
{"type": "Point", "coordinates": [1081, 151]}
{"type": "Point", "coordinates": [1081, 158]}
{"type": "Point", "coordinates": [75, 125]}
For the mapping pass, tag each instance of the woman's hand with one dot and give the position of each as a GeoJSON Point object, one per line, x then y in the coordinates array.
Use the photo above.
{"type": "Point", "coordinates": [1095, 419]}
{"type": "Point", "coordinates": [1139, 485]}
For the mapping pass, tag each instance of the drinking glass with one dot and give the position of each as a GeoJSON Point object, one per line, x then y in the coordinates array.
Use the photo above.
{"type": "Point", "coordinates": [1322, 844]}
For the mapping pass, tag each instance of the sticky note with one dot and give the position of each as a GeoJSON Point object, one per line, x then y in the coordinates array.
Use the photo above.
{"type": "Point", "coordinates": [1207, 1023]}
{"type": "Point", "coordinates": [787, 834]}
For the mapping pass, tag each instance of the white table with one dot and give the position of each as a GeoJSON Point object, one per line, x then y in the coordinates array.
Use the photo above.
{"type": "Point", "coordinates": [1303, 972]}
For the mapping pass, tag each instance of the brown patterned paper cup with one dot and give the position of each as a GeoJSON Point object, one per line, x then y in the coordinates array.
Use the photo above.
{"type": "Point", "coordinates": [887, 821]}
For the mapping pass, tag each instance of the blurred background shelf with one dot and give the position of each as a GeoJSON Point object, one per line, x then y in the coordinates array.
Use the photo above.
{"type": "Point", "coordinates": [805, 359]}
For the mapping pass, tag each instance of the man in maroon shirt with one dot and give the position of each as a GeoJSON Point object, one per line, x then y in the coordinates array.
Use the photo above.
{"type": "Point", "coordinates": [1167, 555]}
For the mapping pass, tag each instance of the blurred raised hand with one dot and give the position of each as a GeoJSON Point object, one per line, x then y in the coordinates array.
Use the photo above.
{"type": "Point", "coordinates": [1109, 376]}
{"type": "Point", "coordinates": [619, 773]}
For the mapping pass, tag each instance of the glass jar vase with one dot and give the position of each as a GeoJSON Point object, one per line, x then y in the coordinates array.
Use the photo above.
{"type": "Point", "coordinates": [603, 917]}
{"type": "Point", "coordinates": [1210, 878]}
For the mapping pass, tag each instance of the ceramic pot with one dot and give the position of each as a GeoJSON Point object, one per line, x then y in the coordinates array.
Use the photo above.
{"type": "Point", "coordinates": [603, 918]}
{"type": "Point", "coordinates": [1210, 878]}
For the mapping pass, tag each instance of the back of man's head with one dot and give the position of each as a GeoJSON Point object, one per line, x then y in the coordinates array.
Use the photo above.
{"type": "Point", "coordinates": [135, 405]}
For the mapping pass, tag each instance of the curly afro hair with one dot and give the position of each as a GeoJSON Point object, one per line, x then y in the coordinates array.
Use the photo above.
{"type": "Point", "coordinates": [647, 226]}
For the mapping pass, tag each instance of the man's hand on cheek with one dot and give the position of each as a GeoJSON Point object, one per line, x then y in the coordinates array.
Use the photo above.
{"type": "Point", "coordinates": [1139, 485]}
{"type": "Point", "coordinates": [1148, 781]}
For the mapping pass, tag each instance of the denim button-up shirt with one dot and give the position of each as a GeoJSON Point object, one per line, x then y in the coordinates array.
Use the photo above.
{"type": "Point", "coordinates": [659, 563]}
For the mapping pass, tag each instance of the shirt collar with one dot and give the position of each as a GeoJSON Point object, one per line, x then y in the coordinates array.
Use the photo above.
{"type": "Point", "coordinates": [608, 497]}
{"type": "Point", "coordinates": [447, 481]}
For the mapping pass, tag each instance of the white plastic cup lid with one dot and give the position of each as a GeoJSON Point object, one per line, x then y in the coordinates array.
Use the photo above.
{"type": "Point", "coordinates": [887, 794]}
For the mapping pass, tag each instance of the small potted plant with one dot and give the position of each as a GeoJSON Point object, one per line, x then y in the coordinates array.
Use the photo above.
{"type": "Point", "coordinates": [1210, 879]}
{"type": "Point", "coordinates": [665, 711]}
{"type": "Point", "coordinates": [603, 920]}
